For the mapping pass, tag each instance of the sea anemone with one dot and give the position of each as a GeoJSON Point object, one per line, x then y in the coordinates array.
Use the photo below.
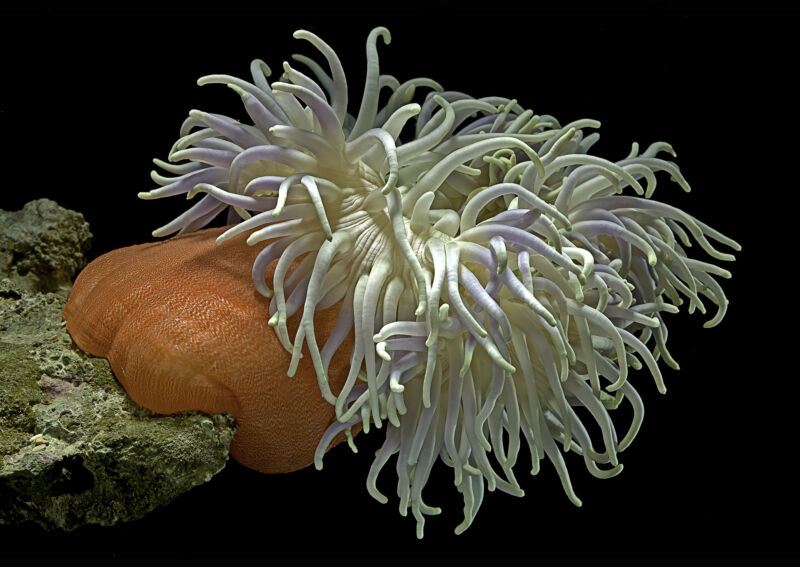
{"type": "Point", "coordinates": [494, 275]}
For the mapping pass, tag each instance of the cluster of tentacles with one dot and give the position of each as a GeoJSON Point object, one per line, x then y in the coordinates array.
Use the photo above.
{"type": "Point", "coordinates": [495, 275]}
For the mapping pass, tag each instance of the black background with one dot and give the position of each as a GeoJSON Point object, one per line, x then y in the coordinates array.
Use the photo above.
{"type": "Point", "coordinates": [88, 99]}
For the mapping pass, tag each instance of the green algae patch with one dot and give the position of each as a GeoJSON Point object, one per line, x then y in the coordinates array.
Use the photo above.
{"type": "Point", "coordinates": [19, 393]}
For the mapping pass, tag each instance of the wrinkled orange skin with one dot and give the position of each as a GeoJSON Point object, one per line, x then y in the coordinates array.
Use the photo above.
{"type": "Point", "coordinates": [184, 329]}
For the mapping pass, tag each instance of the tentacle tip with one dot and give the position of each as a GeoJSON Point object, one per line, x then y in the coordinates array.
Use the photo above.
{"type": "Point", "coordinates": [385, 34]}
{"type": "Point", "coordinates": [237, 89]}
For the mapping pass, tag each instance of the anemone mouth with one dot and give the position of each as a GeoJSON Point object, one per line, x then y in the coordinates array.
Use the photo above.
{"type": "Point", "coordinates": [494, 274]}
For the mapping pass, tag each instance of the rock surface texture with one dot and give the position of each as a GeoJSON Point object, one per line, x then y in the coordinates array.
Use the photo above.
{"type": "Point", "coordinates": [42, 246]}
{"type": "Point", "coordinates": [74, 449]}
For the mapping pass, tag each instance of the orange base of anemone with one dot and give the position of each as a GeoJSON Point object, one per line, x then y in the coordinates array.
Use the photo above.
{"type": "Point", "coordinates": [184, 329]}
